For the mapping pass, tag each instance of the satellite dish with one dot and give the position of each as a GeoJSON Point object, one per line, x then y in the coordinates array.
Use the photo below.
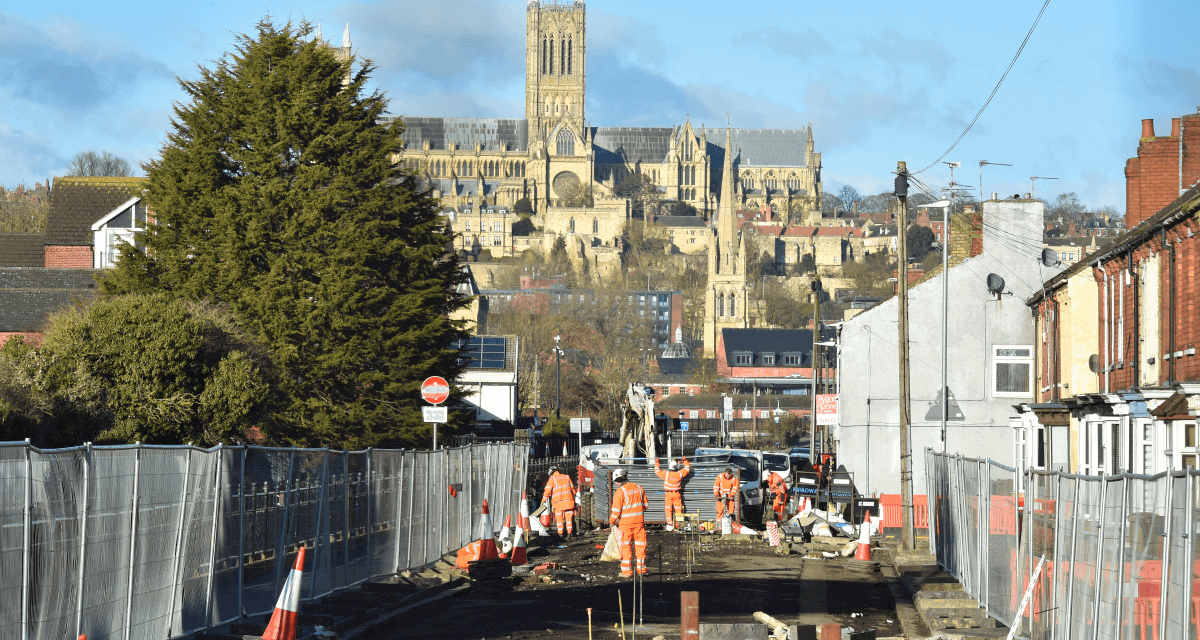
{"type": "Point", "coordinates": [1050, 258]}
{"type": "Point", "coordinates": [1094, 363]}
{"type": "Point", "coordinates": [995, 284]}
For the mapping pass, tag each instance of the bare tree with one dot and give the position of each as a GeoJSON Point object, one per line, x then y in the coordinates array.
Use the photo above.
{"type": "Point", "coordinates": [91, 163]}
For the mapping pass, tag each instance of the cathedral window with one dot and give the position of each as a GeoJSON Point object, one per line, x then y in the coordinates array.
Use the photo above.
{"type": "Point", "coordinates": [570, 53]}
{"type": "Point", "coordinates": [551, 56]}
{"type": "Point", "coordinates": [721, 304]}
{"type": "Point", "coordinates": [572, 225]}
{"type": "Point", "coordinates": [543, 55]}
{"type": "Point", "coordinates": [595, 225]}
{"type": "Point", "coordinates": [732, 305]}
{"type": "Point", "coordinates": [566, 142]}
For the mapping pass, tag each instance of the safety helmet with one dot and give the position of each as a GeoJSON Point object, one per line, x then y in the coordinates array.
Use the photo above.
{"type": "Point", "coordinates": [619, 475]}
{"type": "Point", "coordinates": [673, 465]}
{"type": "Point", "coordinates": [554, 468]}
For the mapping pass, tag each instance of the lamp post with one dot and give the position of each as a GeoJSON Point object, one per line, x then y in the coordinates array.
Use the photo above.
{"type": "Point", "coordinates": [557, 378]}
{"type": "Point", "coordinates": [814, 450]}
{"type": "Point", "coordinates": [945, 206]}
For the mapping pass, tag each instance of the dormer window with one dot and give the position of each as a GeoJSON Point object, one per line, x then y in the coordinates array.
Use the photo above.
{"type": "Point", "coordinates": [768, 359]}
{"type": "Point", "coordinates": [743, 359]}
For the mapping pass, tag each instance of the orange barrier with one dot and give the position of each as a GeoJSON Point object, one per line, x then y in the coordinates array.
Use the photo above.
{"type": "Point", "coordinates": [891, 511]}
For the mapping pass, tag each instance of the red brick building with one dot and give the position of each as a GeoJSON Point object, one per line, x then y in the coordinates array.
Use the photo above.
{"type": "Point", "coordinates": [1164, 167]}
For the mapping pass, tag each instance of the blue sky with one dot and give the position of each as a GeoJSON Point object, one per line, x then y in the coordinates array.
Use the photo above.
{"type": "Point", "coordinates": [879, 81]}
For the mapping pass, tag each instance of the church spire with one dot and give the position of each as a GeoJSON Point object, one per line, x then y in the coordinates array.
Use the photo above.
{"type": "Point", "coordinates": [727, 211]}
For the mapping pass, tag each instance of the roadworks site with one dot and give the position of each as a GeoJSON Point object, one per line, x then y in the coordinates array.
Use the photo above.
{"type": "Point", "coordinates": [567, 591]}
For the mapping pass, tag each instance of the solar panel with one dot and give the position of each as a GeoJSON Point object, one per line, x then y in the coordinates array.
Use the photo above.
{"type": "Point", "coordinates": [486, 352]}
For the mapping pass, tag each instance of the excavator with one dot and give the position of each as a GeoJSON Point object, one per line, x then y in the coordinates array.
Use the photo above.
{"type": "Point", "coordinates": [641, 437]}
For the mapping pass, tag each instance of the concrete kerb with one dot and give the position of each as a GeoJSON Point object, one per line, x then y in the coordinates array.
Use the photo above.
{"type": "Point", "coordinates": [939, 599]}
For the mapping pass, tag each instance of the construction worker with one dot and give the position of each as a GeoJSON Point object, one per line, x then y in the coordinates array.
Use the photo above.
{"type": "Point", "coordinates": [672, 482]}
{"type": "Point", "coordinates": [725, 488]}
{"type": "Point", "coordinates": [560, 493]}
{"type": "Point", "coordinates": [629, 515]}
{"type": "Point", "coordinates": [777, 486]}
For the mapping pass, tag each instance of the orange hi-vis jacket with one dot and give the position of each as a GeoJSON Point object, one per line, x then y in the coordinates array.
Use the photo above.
{"type": "Point", "coordinates": [725, 487]}
{"type": "Point", "coordinates": [560, 492]}
{"type": "Point", "coordinates": [628, 505]}
{"type": "Point", "coordinates": [776, 483]}
{"type": "Point", "coordinates": [672, 479]}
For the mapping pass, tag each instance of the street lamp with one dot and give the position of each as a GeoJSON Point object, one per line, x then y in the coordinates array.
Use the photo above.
{"type": "Point", "coordinates": [557, 378]}
{"type": "Point", "coordinates": [945, 207]}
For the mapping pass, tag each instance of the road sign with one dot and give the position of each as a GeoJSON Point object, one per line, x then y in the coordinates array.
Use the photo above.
{"type": "Point", "coordinates": [435, 390]}
{"type": "Point", "coordinates": [683, 426]}
{"type": "Point", "coordinates": [728, 404]}
{"type": "Point", "coordinates": [581, 425]}
{"type": "Point", "coordinates": [827, 408]}
{"type": "Point", "coordinates": [434, 414]}
{"type": "Point", "coordinates": [955, 413]}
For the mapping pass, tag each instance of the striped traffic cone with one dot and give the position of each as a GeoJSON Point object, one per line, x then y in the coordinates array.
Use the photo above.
{"type": "Point", "coordinates": [519, 556]}
{"type": "Point", "coordinates": [506, 532]}
{"type": "Point", "coordinates": [287, 609]}
{"type": "Point", "coordinates": [863, 551]}
{"type": "Point", "coordinates": [487, 550]}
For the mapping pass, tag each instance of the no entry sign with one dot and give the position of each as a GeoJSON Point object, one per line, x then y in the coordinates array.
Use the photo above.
{"type": "Point", "coordinates": [435, 390]}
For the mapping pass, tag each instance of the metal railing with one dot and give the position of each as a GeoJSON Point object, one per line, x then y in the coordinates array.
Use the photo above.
{"type": "Point", "coordinates": [1119, 550]}
{"type": "Point", "coordinates": [150, 542]}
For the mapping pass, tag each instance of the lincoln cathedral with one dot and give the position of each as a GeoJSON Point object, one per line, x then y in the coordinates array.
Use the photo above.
{"type": "Point", "coordinates": [741, 182]}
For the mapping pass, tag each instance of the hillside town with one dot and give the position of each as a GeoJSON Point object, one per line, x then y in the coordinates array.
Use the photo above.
{"type": "Point", "coordinates": [321, 368]}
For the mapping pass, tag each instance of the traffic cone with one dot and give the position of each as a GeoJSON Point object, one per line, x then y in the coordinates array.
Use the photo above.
{"type": "Point", "coordinates": [287, 609]}
{"type": "Point", "coordinates": [863, 552]}
{"type": "Point", "coordinates": [506, 532]}
{"type": "Point", "coordinates": [518, 551]}
{"type": "Point", "coordinates": [565, 454]}
{"type": "Point", "coordinates": [487, 550]}
{"type": "Point", "coordinates": [807, 508]}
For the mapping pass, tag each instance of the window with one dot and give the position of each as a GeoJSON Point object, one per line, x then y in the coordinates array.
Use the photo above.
{"type": "Point", "coordinates": [721, 304]}
{"type": "Point", "coordinates": [710, 414]}
{"type": "Point", "coordinates": [496, 226]}
{"type": "Point", "coordinates": [768, 359]}
{"type": "Point", "coordinates": [572, 225]}
{"type": "Point", "coordinates": [565, 142]}
{"type": "Point", "coordinates": [732, 305]}
{"type": "Point", "coordinates": [742, 358]}
{"type": "Point", "coordinates": [468, 225]}
{"type": "Point", "coordinates": [792, 360]}
{"type": "Point", "coordinates": [1012, 368]}
{"type": "Point", "coordinates": [551, 56]}
{"type": "Point", "coordinates": [543, 56]}
{"type": "Point", "coordinates": [570, 51]}
{"type": "Point", "coordinates": [693, 414]}
{"type": "Point", "coordinates": [498, 241]}
{"type": "Point", "coordinates": [595, 225]}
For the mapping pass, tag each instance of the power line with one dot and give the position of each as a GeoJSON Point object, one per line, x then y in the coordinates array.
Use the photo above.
{"type": "Point", "coordinates": [993, 94]}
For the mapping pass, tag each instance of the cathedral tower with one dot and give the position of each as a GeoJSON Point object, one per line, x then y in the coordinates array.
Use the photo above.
{"type": "Point", "coordinates": [554, 68]}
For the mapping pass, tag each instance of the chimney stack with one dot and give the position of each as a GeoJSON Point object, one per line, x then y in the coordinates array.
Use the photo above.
{"type": "Point", "coordinates": [1175, 127]}
{"type": "Point", "coordinates": [1148, 128]}
{"type": "Point", "coordinates": [1028, 197]}
{"type": "Point", "coordinates": [995, 196]}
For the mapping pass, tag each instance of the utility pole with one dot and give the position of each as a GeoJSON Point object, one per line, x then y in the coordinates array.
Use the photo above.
{"type": "Point", "coordinates": [557, 379]}
{"type": "Point", "coordinates": [906, 497]}
{"type": "Point", "coordinates": [816, 444]}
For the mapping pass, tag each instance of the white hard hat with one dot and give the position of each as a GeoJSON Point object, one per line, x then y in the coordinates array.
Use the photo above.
{"type": "Point", "coordinates": [673, 465]}
{"type": "Point", "coordinates": [619, 475]}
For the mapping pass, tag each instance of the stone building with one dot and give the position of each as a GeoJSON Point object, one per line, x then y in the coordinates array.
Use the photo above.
{"type": "Point", "coordinates": [557, 159]}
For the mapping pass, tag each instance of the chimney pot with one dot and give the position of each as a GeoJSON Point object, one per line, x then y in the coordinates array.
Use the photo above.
{"type": "Point", "coordinates": [995, 196]}
{"type": "Point", "coordinates": [1027, 197]}
{"type": "Point", "coordinates": [1148, 128]}
{"type": "Point", "coordinates": [1175, 127]}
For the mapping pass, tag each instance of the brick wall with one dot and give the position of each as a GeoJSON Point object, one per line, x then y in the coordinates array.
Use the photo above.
{"type": "Point", "coordinates": [68, 257]}
{"type": "Point", "coordinates": [1155, 177]}
{"type": "Point", "coordinates": [34, 337]}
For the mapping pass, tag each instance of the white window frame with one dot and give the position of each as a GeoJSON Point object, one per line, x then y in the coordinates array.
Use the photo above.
{"type": "Point", "coordinates": [998, 360]}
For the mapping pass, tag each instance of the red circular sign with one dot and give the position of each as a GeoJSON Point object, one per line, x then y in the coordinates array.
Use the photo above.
{"type": "Point", "coordinates": [435, 390]}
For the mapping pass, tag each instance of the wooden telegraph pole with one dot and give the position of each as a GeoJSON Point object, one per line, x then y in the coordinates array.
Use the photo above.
{"type": "Point", "coordinates": [906, 497]}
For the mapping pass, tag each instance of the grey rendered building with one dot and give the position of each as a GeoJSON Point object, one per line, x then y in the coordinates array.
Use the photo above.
{"type": "Point", "coordinates": [991, 348]}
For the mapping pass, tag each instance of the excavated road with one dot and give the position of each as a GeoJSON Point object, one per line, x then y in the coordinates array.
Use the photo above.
{"type": "Point", "coordinates": [734, 579]}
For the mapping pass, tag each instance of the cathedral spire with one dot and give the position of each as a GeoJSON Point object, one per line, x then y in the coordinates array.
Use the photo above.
{"type": "Point", "coordinates": [346, 36]}
{"type": "Point", "coordinates": [727, 210]}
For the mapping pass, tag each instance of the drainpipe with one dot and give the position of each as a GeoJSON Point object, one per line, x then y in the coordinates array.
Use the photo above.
{"type": "Point", "coordinates": [1107, 319]}
{"type": "Point", "coordinates": [1173, 287]}
{"type": "Point", "coordinates": [1137, 332]}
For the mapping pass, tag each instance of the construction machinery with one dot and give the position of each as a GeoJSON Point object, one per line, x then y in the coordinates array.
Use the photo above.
{"type": "Point", "coordinates": [641, 437]}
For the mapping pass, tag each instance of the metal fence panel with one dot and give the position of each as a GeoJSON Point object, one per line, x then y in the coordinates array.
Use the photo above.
{"type": "Point", "coordinates": [1002, 543]}
{"type": "Point", "coordinates": [14, 485]}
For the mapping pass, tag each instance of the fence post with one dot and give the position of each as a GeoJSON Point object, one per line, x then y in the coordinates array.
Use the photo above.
{"type": "Point", "coordinates": [322, 498]}
{"type": "Point", "coordinates": [1121, 553]}
{"type": "Point", "coordinates": [1165, 594]}
{"type": "Point", "coordinates": [187, 474]}
{"type": "Point", "coordinates": [283, 525]}
{"type": "Point", "coordinates": [212, 538]}
{"type": "Point", "coordinates": [398, 508]}
{"type": "Point", "coordinates": [27, 544]}
{"type": "Point", "coordinates": [984, 471]}
{"type": "Point", "coordinates": [370, 522]}
{"type": "Point", "coordinates": [1071, 561]}
{"type": "Point", "coordinates": [87, 476]}
{"type": "Point", "coordinates": [1189, 546]}
{"type": "Point", "coordinates": [346, 518]}
{"type": "Point", "coordinates": [242, 532]}
{"type": "Point", "coordinates": [411, 491]}
{"type": "Point", "coordinates": [1100, 526]}
{"type": "Point", "coordinates": [133, 525]}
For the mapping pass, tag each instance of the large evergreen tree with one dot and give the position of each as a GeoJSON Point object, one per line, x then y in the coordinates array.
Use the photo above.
{"type": "Point", "coordinates": [277, 193]}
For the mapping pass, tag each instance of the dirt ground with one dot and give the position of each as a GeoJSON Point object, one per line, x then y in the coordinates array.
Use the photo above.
{"type": "Point", "coordinates": [734, 579]}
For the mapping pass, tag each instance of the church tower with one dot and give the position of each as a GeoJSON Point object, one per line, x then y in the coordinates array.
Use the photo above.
{"type": "Point", "coordinates": [554, 67]}
{"type": "Point", "coordinates": [725, 300]}
{"type": "Point", "coordinates": [559, 144]}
